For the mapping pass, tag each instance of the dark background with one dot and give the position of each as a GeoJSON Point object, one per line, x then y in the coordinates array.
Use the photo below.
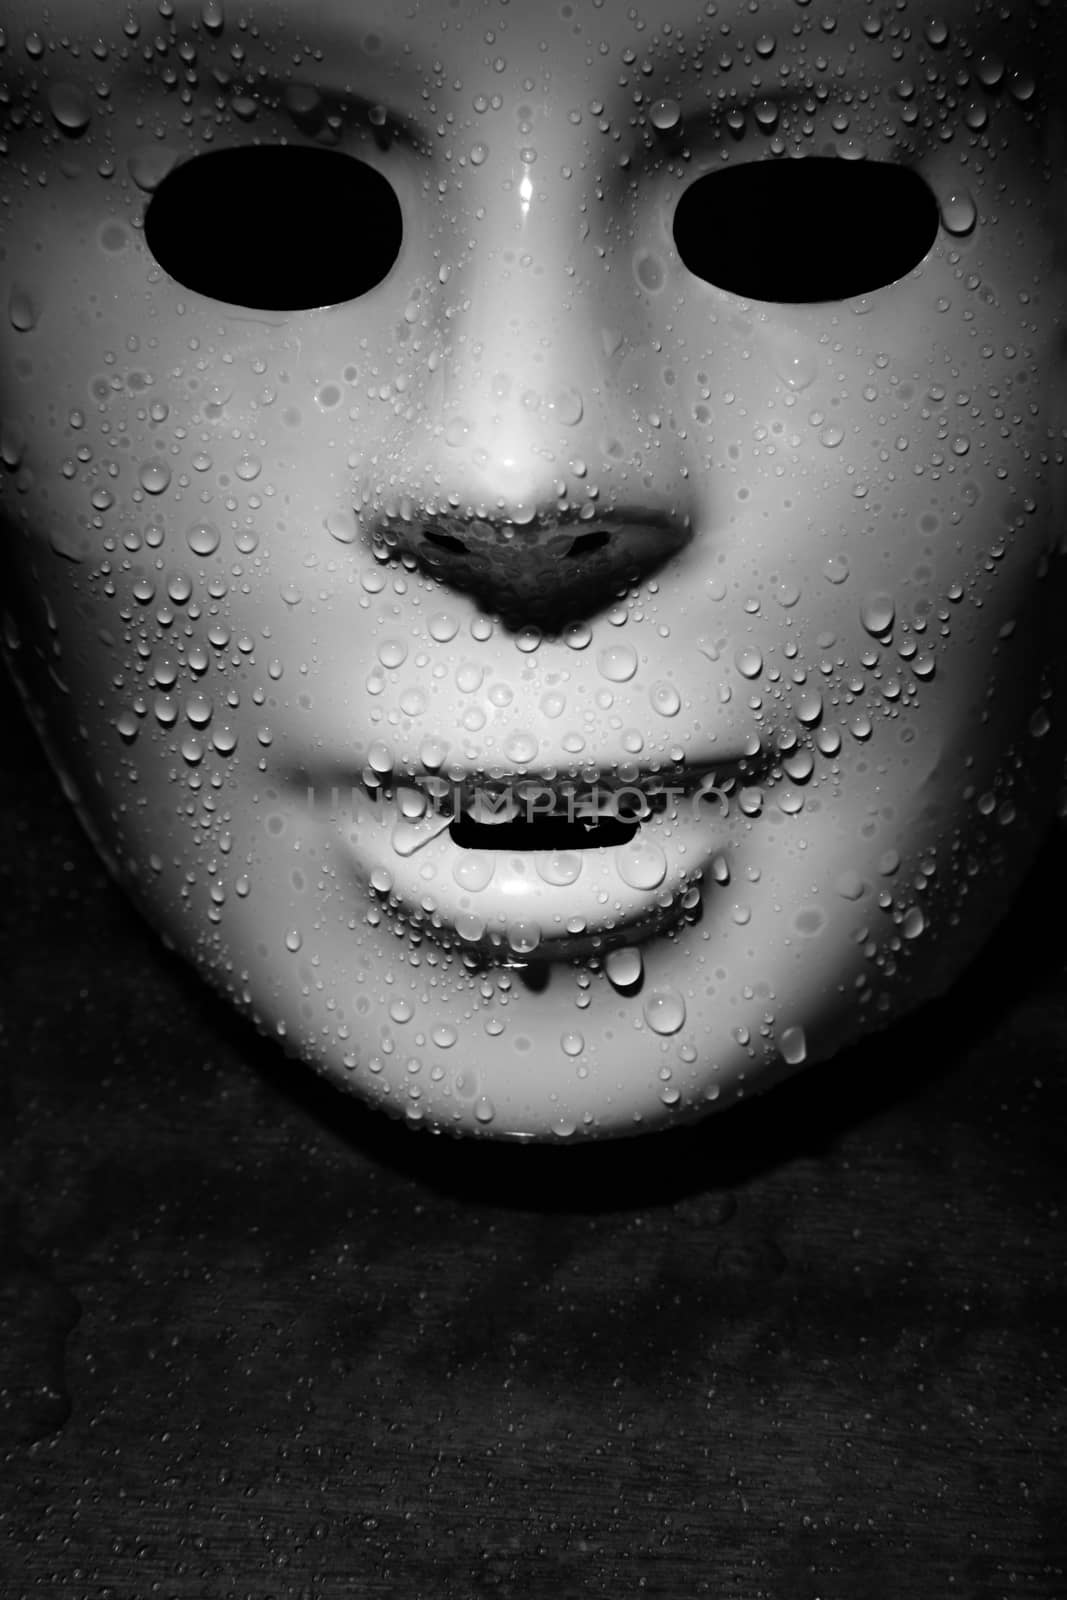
{"type": "Point", "coordinates": [262, 1342]}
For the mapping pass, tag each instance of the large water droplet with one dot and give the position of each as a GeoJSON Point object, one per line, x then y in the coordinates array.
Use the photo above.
{"type": "Point", "coordinates": [664, 1011]}
{"type": "Point", "coordinates": [617, 663]}
{"type": "Point", "coordinates": [342, 526]}
{"type": "Point", "coordinates": [203, 538]}
{"type": "Point", "coordinates": [558, 867]}
{"type": "Point", "coordinates": [642, 865]}
{"type": "Point", "coordinates": [877, 613]}
{"type": "Point", "coordinates": [474, 870]}
{"type": "Point", "coordinates": [665, 699]}
{"type": "Point", "coordinates": [624, 967]}
{"type": "Point", "coordinates": [523, 937]}
{"type": "Point", "coordinates": [794, 1046]}
{"type": "Point", "coordinates": [154, 477]}
{"type": "Point", "coordinates": [70, 107]}
{"type": "Point", "coordinates": [959, 213]}
{"type": "Point", "coordinates": [665, 115]}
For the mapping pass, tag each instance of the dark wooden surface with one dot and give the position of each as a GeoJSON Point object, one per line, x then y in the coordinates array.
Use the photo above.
{"type": "Point", "coordinates": [263, 1343]}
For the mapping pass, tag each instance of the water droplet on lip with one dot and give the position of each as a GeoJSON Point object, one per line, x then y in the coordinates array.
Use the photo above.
{"type": "Point", "coordinates": [664, 1011]}
{"type": "Point", "coordinates": [642, 865]}
{"type": "Point", "coordinates": [624, 966]}
{"type": "Point", "coordinates": [558, 867]}
{"type": "Point", "coordinates": [474, 869]}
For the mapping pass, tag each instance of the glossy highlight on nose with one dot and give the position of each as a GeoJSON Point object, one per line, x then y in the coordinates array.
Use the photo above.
{"type": "Point", "coordinates": [798, 231]}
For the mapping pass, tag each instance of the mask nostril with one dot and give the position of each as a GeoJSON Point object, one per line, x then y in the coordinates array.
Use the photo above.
{"type": "Point", "coordinates": [587, 544]}
{"type": "Point", "coordinates": [445, 541]}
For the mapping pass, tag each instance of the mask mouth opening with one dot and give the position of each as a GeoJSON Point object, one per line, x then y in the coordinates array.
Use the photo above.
{"type": "Point", "coordinates": [560, 820]}
{"type": "Point", "coordinates": [542, 833]}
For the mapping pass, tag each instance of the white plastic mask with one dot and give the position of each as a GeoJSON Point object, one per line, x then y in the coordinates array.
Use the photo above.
{"type": "Point", "coordinates": [418, 418]}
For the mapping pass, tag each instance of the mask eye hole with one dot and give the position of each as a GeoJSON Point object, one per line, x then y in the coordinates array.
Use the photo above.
{"type": "Point", "coordinates": [275, 227]}
{"type": "Point", "coordinates": [797, 231]}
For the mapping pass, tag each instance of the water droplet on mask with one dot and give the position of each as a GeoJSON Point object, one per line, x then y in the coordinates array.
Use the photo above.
{"type": "Point", "coordinates": [248, 468]}
{"type": "Point", "coordinates": [749, 662]}
{"type": "Point", "coordinates": [650, 271]}
{"type": "Point", "coordinates": [664, 1011]}
{"type": "Point", "coordinates": [474, 870]}
{"type": "Point", "coordinates": [127, 725]}
{"type": "Point", "coordinates": [154, 477]}
{"type": "Point", "coordinates": [524, 937]}
{"type": "Point", "coordinates": [624, 967]}
{"type": "Point", "coordinates": [809, 708]}
{"type": "Point", "coordinates": [877, 613]}
{"type": "Point", "coordinates": [572, 1044]}
{"type": "Point", "coordinates": [293, 941]}
{"type": "Point", "coordinates": [521, 749]}
{"type": "Point", "coordinates": [835, 569]}
{"type": "Point", "coordinates": [642, 865]}
{"type": "Point", "coordinates": [577, 635]}
{"type": "Point", "coordinates": [831, 437]}
{"type": "Point", "coordinates": [342, 526]}
{"type": "Point", "coordinates": [443, 627]}
{"type": "Point", "coordinates": [70, 107]}
{"type": "Point", "coordinates": [794, 1046]}
{"type": "Point", "coordinates": [913, 924]}
{"type": "Point", "coordinates": [959, 213]}
{"type": "Point", "coordinates": [198, 709]}
{"type": "Point", "coordinates": [665, 699]}
{"type": "Point", "coordinates": [392, 652]}
{"type": "Point", "coordinates": [470, 927]}
{"type": "Point", "coordinates": [203, 538]}
{"type": "Point", "coordinates": [21, 309]}
{"type": "Point", "coordinates": [212, 16]}
{"type": "Point", "coordinates": [148, 167]}
{"type": "Point", "coordinates": [617, 663]}
{"type": "Point", "coordinates": [432, 753]}
{"type": "Point", "coordinates": [849, 885]}
{"type": "Point", "coordinates": [665, 115]}
{"type": "Point", "coordinates": [797, 369]}
{"type": "Point", "coordinates": [569, 407]}
{"type": "Point", "coordinates": [12, 443]}
{"type": "Point", "coordinates": [444, 1035]}
{"type": "Point", "coordinates": [478, 154]}
{"type": "Point", "coordinates": [558, 867]}
{"type": "Point", "coordinates": [484, 1109]}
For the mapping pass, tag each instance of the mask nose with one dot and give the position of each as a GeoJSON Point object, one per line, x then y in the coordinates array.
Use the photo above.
{"type": "Point", "coordinates": [534, 472]}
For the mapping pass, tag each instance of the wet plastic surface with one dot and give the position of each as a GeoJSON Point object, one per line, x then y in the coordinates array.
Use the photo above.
{"type": "Point", "coordinates": [264, 1342]}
